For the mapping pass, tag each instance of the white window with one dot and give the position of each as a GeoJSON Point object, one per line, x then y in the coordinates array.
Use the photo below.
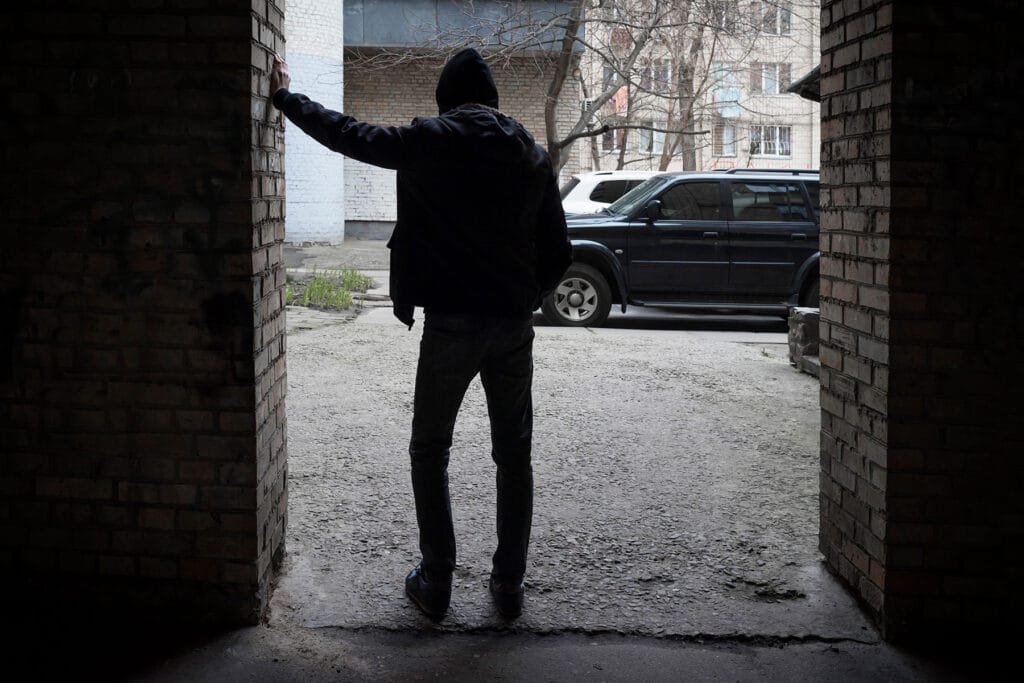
{"type": "Point", "coordinates": [725, 89]}
{"type": "Point", "coordinates": [776, 17]}
{"type": "Point", "coordinates": [769, 78]}
{"type": "Point", "coordinates": [771, 141]}
{"type": "Point", "coordinates": [724, 141]}
{"type": "Point", "coordinates": [651, 141]}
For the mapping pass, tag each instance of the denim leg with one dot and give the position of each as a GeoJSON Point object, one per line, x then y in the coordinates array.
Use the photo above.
{"type": "Point", "coordinates": [447, 364]}
{"type": "Point", "coordinates": [507, 377]}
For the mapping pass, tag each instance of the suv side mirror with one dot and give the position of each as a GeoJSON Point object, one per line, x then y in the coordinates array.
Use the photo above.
{"type": "Point", "coordinates": [653, 210]}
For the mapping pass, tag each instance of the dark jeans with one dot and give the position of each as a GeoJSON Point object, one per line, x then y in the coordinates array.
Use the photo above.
{"type": "Point", "coordinates": [453, 350]}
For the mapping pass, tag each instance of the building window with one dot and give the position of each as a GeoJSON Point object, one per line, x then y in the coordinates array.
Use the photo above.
{"type": "Point", "coordinates": [776, 18]}
{"type": "Point", "coordinates": [769, 78]}
{"type": "Point", "coordinates": [650, 141]}
{"type": "Point", "coordinates": [723, 143]}
{"type": "Point", "coordinates": [725, 89]}
{"type": "Point", "coordinates": [724, 15]}
{"type": "Point", "coordinates": [656, 76]}
{"type": "Point", "coordinates": [608, 141]}
{"type": "Point", "coordinates": [771, 141]}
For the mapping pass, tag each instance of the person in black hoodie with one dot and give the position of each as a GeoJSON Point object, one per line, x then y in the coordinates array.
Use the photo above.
{"type": "Point", "coordinates": [480, 239]}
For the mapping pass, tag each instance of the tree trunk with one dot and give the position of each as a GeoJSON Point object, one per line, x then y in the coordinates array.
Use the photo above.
{"type": "Point", "coordinates": [563, 65]}
{"type": "Point", "coordinates": [686, 101]}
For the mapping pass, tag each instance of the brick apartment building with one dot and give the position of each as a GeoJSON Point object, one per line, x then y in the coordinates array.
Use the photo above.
{"type": "Point", "coordinates": [743, 54]}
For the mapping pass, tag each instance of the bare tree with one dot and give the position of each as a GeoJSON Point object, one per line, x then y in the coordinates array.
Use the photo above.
{"type": "Point", "coordinates": [652, 61]}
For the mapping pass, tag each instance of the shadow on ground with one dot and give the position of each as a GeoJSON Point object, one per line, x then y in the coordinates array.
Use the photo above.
{"type": "Point", "coordinates": [637, 318]}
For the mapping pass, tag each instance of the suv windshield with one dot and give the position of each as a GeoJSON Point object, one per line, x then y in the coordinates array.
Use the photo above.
{"type": "Point", "coordinates": [635, 198]}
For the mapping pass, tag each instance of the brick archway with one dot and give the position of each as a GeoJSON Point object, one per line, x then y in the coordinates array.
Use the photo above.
{"type": "Point", "coordinates": [142, 359]}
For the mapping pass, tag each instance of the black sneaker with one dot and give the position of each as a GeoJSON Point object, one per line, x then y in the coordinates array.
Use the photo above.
{"type": "Point", "coordinates": [432, 597]}
{"type": "Point", "coordinates": [508, 597]}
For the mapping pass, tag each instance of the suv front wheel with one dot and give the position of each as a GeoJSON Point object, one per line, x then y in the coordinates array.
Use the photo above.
{"type": "Point", "coordinates": [581, 299]}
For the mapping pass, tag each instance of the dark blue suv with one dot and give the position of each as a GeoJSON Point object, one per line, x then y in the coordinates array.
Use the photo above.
{"type": "Point", "coordinates": [742, 240]}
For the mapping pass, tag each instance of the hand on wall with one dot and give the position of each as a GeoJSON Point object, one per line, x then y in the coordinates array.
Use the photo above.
{"type": "Point", "coordinates": [279, 77]}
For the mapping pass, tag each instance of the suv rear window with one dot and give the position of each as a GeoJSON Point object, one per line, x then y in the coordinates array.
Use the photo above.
{"type": "Point", "coordinates": [757, 200]}
{"type": "Point", "coordinates": [609, 190]}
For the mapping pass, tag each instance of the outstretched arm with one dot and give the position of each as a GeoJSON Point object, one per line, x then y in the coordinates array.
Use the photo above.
{"type": "Point", "coordinates": [386, 146]}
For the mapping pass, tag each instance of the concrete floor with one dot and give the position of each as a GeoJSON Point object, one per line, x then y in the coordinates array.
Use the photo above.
{"type": "Point", "coordinates": [750, 603]}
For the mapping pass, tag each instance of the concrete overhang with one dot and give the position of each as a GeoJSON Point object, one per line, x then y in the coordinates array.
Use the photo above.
{"type": "Point", "coordinates": [809, 86]}
{"type": "Point", "coordinates": [372, 25]}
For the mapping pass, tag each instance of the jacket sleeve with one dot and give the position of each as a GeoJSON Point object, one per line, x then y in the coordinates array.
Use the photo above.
{"type": "Point", "coordinates": [554, 252]}
{"type": "Point", "coordinates": [385, 146]}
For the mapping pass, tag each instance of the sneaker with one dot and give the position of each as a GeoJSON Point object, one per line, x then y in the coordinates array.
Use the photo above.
{"type": "Point", "coordinates": [432, 597]}
{"type": "Point", "coordinates": [508, 597]}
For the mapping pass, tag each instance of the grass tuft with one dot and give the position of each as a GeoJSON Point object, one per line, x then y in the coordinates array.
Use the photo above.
{"type": "Point", "coordinates": [331, 289]}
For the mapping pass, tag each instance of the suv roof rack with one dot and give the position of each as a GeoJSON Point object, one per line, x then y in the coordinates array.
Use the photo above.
{"type": "Point", "coordinates": [794, 171]}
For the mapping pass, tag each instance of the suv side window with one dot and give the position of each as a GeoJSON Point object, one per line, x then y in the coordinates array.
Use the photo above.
{"type": "Point", "coordinates": [608, 191]}
{"type": "Point", "coordinates": [757, 200]}
{"type": "Point", "coordinates": [691, 202]}
{"type": "Point", "coordinates": [812, 192]}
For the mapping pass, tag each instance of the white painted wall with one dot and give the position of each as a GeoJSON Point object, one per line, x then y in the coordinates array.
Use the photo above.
{"type": "Point", "coordinates": [315, 190]}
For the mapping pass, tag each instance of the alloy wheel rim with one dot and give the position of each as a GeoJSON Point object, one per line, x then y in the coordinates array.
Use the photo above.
{"type": "Point", "coordinates": [576, 299]}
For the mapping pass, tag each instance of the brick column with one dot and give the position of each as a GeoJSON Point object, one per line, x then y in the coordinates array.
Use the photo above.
{"type": "Point", "coordinates": [922, 313]}
{"type": "Point", "coordinates": [142, 355]}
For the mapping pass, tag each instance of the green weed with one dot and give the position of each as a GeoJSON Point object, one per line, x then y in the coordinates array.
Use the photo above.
{"type": "Point", "coordinates": [327, 289]}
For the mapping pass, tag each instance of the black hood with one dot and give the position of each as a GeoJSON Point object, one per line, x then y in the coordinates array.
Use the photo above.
{"type": "Point", "coordinates": [464, 79]}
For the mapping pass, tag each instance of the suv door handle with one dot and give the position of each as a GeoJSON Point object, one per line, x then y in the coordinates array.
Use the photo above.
{"type": "Point", "coordinates": [710, 234]}
{"type": "Point", "coordinates": [798, 236]}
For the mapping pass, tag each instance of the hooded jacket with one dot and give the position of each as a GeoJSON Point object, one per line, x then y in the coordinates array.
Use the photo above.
{"type": "Point", "coordinates": [480, 226]}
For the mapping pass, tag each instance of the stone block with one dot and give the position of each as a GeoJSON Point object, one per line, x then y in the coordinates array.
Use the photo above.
{"type": "Point", "coordinates": [803, 340]}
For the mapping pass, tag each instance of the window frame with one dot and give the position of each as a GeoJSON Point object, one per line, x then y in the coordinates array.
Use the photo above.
{"type": "Point", "coordinates": [759, 136]}
{"type": "Point", "coordinates": [781, 77]}
{"type": "Point", "coordinates": [718, 144]}
{"type": "Point", "coordinates": [780, 16]}
{"type": "Point", "coordinates": [648, 141]}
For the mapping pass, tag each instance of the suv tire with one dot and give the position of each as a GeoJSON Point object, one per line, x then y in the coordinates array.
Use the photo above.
{"type": "Point", "coordinates": [581, 299]}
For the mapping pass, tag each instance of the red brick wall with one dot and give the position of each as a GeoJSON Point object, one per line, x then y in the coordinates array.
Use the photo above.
{"type": "Point", "coordinates": [922, 313]}
{"type": "Point", "coordinates": [142, 355]}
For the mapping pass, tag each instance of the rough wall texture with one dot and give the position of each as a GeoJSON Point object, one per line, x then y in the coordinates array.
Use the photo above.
{"type": "Point", "coordinates": [142, 353]}
{"type": "Point", "coordinates": [921, 313]}
{"type": "Point", "coordinates": [316, 181]}
{"type": "Point", "coordinates": [854, 351]}
{"type": "Point", "coordinates": [398, 94]}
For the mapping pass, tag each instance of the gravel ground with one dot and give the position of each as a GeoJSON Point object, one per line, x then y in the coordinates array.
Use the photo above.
{"type": "Point", "coordinates": [676, 486]}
